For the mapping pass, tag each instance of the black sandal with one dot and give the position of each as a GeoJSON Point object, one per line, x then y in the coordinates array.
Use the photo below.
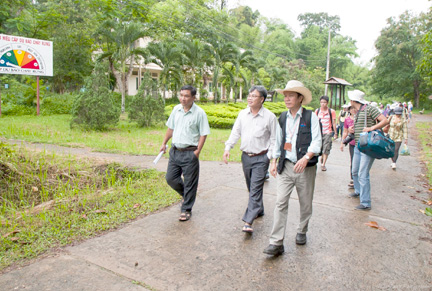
{"type": "Point", "coordinates": [247, 228]}
{"type": "Point", "coordinates": [185, 216]}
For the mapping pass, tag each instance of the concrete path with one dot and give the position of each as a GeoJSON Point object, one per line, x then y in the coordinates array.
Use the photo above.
{"type": "Point", "coordinates": [210, 252]}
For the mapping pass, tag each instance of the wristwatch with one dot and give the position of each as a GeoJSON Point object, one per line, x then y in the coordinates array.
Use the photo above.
{"type": "Point", "coordinates": [307, 157]}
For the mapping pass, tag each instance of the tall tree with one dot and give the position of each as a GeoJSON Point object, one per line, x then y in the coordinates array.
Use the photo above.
{"type": "Point", "coordinates": [121, 48]}
{"type": "Point", "coordinates": [399, 54]}
{"type": "Point", "coordinates": [167, 55]}
{"type": "Point", "coordinates": [221, 52]}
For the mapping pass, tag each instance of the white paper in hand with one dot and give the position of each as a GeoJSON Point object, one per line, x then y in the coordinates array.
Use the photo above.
{"type": "Point", "coordinates": [159, 156]}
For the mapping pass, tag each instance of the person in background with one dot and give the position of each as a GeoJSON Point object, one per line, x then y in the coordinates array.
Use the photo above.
{"type": "Point", "coordinates": [341, 119]}
{"type": "Point", "coordinates": [327, 117]}
{"type": "Point", "coordinates": [188, 127]}
{"type": "Point", "coordinates": [386, 111]}
{"type": "Point", "coordinates": [410, 108]}
{"type": "Point", "coordinates": [348, 139]}
{"type": "Point", "coordinates": [398, 132]}
{"type": "Point", "coordinates": [256, 126]}
{"type": "Point", "coordinates": [362, 163]}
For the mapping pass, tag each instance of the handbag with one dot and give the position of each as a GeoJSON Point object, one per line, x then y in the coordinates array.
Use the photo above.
{"type": "Point", "coordinates": [375, 144]}
{"type": "Point", "coordinates": [405, 150]}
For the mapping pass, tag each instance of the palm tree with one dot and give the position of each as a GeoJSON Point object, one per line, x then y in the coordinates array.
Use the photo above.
{"type": "Point", "coordinates": [221, 53]}
{"type": "Point", "coordinates": [119, 45]}
{"type": "Point", "coordinates": [168, 56]}
{"type": "Point", "coordinates": [195, 60]}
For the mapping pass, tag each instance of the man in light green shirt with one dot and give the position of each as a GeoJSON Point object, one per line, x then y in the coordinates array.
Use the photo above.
{"type": "Point", "coordinates": [188, 127]}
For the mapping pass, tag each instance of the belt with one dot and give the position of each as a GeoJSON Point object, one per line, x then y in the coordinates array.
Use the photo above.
{"type": "Point", "coordinates": [258, 154]}
{"type": "Point", "coordinates": [186, 149]}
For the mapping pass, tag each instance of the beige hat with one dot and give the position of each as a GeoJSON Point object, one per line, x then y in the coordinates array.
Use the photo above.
{"type": "Point", "coordinates": [357, 95]}
{"type": "Point", "coordinates": [297, 86]}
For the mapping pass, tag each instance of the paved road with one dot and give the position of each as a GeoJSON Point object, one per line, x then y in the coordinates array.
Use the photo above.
{"type": "Point", "coordinates": [210, 252]}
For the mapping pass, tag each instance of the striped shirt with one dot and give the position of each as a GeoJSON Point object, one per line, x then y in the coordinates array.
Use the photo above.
{"type": "Point", "coordinates": [324, 118]}
{"type": "Point", "coordinates": [372, 115]}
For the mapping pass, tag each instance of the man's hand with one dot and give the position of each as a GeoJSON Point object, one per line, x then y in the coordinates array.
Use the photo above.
{"type": "Point", "coordinates": [197, 153]}
{"type": "Point", "coordinates": [273, 168]}
{"type": "Point", "coordinates": [226, 156]}
{"type": "Point", "coordinates": [163, 148]}
{"type": "Point", "coordinates": [300, 166]}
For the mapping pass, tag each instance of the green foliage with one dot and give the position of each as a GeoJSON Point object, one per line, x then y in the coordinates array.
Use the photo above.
{"type": "Point", "coordinates": [220, 122]}
{"type": "Point", "coordinates": [224, 116]}
{"type": "Point", "coordinates": [95, 108]}
{"type": "Point", "coordinates": [399, 55]}
{"type": "Point", "coordinates": [425, 67]}
{"type": "Point", "coordinates": [57, 103]}
{"type": "Point", "coordinates": [82, 198]}
{"type": "Point", "coordinates": [146, 109]}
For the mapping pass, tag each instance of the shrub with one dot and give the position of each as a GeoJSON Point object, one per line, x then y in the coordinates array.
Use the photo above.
{"type": "Point", "coordinates": [220, 122]}
{"type": "Point", "coordinates": [144, 108]}
{"type": "Point", "coordinates": [57, 104]}
{"type": "Point", "coordinates": [94, 108]}
{"type": "Point", "coordinates": [16, 109]}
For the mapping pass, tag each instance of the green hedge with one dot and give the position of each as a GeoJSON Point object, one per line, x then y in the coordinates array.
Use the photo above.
{"type": "Point", "coordinates": [224, 115]}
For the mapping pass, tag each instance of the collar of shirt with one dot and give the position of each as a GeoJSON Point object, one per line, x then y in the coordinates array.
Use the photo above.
{"type": "Point", "coordinates": [299, 113]}
{"type": "Point", "coordinates": [191, 110]}
{"type": "Point", "coordinates": [260, 112]}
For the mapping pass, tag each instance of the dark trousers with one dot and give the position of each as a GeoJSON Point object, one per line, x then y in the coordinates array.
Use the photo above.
{"type": "Point", "coordinates": [351, 151]}
{"type": "Point", "coordinates": [396, 155]}
{"type": "Point", "coordinates": [186, 163]}
{"type": "Point", "coordinates": [255, 170]}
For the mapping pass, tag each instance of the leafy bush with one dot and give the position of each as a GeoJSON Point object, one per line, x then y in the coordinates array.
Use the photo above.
{"type": "Point", "coordinates": [144, 108]}
{"type": "Point", "coordinates": [94, 108]}
{"type": "Point", "coordinates": [16, 109]}
{"type": "Point", "coordinates": [57, 104]}
{"type": "Point", "coordinates": [220, 122]}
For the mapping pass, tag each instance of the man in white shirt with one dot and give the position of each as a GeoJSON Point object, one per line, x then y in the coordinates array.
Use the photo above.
{"type": "Point", "coordinates": [256, 126]}
{"type": "Point", "coordinates": [298, 143]}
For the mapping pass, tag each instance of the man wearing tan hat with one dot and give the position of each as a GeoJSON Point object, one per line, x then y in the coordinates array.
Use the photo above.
{"type": "Point", "coordinates": [298, 143]}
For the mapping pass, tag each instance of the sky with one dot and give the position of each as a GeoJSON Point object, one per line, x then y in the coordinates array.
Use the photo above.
{"type": "Point", "coordinates": [362, 20]}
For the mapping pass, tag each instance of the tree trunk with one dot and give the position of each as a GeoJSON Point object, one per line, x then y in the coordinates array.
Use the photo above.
{"type": "Point", "coordinates": [417, 93]}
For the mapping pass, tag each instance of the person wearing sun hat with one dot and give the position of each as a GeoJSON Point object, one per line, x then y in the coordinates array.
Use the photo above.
{"type": "Point", "coordinates": [295, 155]}
{"type": "Point", "coordinates": [362, 163]}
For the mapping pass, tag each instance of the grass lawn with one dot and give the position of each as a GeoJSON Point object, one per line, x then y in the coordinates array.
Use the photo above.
{"type": "Point", "coordinates": [425, 138]}
{"type": "Point", "coordinates": [48, 200]}
{"type": "Point", "coordinates": [125, 138]}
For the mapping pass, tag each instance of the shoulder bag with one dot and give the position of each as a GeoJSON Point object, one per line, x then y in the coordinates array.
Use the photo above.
{"type": "Point", "coordinates": [375, 144]}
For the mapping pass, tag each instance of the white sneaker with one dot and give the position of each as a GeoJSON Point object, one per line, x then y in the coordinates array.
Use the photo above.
{"type": "Point", "coordinates": [393, 165]}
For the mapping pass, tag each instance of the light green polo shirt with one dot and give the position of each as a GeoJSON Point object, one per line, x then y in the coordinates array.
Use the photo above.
{"type": "Point", "coordinates": [189, 126]}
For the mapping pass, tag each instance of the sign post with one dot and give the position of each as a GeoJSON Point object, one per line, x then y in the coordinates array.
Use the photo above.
{"type": "Point", "coordinates": [37, 95]}
{"type": "Point", "coordinates": [26, 56]}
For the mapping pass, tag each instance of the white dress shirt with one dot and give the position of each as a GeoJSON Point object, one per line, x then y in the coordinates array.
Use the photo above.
{"type": "Point", "coordinates": [258, 133]}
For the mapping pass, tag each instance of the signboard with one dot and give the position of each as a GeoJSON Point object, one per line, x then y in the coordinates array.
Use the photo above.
{"type": "Point", "coordinates": [25, 56]}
